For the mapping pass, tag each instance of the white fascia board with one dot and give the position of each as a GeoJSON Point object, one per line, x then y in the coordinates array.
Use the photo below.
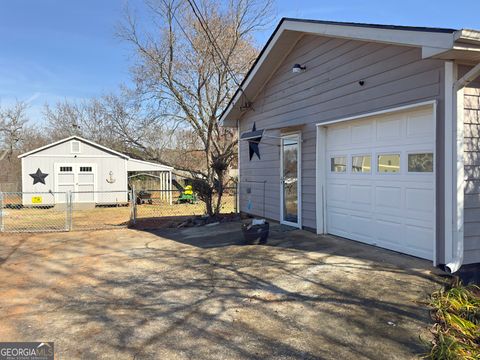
{"type": "Point", "coordinates": [389, 36]}
{"type": "Point", "coordinates": [74, 137]}
{"type": "Point", "coordinates": [160, 167]}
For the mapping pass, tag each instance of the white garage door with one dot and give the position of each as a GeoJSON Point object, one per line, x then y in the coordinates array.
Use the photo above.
{"type": "Point", "coordinates": [381, 181]}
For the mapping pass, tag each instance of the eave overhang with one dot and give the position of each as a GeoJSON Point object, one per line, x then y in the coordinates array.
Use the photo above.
{"type": "Point", "coordinates": [437, 43]}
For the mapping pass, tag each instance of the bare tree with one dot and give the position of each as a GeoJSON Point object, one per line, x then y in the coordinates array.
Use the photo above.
{"type": "Point", "coordinates": [190, 60]}
{"type": "Point", "coordinates": [13, 121]}
{"type": "Point", "coordinates": [116, 121]}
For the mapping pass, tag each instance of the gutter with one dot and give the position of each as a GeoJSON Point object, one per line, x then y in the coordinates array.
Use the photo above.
{"type": "Point", "coordinates": [458, 110]}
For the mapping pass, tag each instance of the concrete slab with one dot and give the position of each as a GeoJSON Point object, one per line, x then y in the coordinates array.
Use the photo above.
{"type": "Point", "coordinates": [198, 293]}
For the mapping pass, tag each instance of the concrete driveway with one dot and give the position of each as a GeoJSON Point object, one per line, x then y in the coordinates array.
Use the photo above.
{"type": "Point", "coordinates": [198, 293]}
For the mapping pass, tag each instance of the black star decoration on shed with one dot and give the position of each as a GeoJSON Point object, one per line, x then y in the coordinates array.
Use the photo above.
{"type": "Point", "coordinates": [253, 138]}
{"type": "Point", "coordinates": [38, 177]}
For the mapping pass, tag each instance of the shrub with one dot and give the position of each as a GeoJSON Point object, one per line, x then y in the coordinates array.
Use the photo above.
{"type": "Point", "coordinates": [456, 311]}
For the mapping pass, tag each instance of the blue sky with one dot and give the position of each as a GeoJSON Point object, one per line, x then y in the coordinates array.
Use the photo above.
{"type": "Point", "coordinates": [52, 50]}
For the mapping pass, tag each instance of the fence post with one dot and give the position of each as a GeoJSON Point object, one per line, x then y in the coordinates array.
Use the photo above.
{"type": "Point", "coordinates": [170, 195]}
{"type": "Point", "coordinates": [236, 198]}
{"type": "Point", "coordinates": [133, 206]}
{"type": "Point", "coordinates": [68, 211]}
{"type": "Point", "coordinates": [71, 210]}
{"type": "Point", "coordinates": [2, 209]}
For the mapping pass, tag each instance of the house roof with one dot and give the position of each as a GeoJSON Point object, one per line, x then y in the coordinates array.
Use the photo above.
{"type": "Point", "coordinates": [135, 164]}
{"type": "Point", "coordinates": [74, 137]}
{"type": "Point", "coordinates": [439, 43]}
{"type": "Point", "coordinates": [378, 26]}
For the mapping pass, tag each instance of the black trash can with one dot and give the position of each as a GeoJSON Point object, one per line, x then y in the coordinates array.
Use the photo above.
{"type": "Point", "coordinates": [256, 233]}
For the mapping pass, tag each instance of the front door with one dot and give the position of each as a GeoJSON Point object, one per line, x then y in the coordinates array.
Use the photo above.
{"type": "Point", "coordinates": [290, 184]}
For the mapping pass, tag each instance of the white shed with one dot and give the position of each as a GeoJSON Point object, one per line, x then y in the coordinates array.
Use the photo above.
{"type": "Point", "coordinates": [93, 173]}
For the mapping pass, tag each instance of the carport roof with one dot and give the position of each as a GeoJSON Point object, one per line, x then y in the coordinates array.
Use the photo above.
{"type": "Point", "coordinates": [140, 165]}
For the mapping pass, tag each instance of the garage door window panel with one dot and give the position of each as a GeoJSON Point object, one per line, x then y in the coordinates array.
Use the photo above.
{"type": "Point", "coordinates": [388, 163]}
{"type": "Point", "coordinates": [338, 164]}
{"type": "Point", "coordinates": [420, 162]}
{"type": "Point", "coordinates": [361, 164]}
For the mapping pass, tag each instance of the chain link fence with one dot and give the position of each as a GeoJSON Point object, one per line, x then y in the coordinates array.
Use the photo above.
{"type": "Point", "coordinates": [33, 212]}
{"type": "Point", "coordinates": [68, 211]}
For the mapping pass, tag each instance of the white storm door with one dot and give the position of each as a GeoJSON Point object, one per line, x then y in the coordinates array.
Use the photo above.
{"type": "Point", "coordinates": [85, 183]}
{"type": "Point", "coordinates": [290, 181]}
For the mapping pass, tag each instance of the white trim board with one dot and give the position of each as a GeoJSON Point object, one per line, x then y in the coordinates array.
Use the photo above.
{"type": "Point", "coordinates": [298, 136]}
{"type": "Point", "coordinates": [380, 112]}
{"type": "Point", "coordinates": [70, 156]}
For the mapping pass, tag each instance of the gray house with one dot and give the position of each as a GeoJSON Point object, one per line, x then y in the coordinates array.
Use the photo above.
{"type": "Point", "coordinates": [93, 173]}
{"type": "Point", "coordinates": [368, 132]}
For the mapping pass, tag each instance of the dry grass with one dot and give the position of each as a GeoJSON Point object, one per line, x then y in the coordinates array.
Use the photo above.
{"type": "Point", "coordinates": [456, 312]}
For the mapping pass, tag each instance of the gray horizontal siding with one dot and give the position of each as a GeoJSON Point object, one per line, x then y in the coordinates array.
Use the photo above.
{"type": "Point", "coordinates": [327, 90]}
{"type": "Point", "coordinates": [472, 173]}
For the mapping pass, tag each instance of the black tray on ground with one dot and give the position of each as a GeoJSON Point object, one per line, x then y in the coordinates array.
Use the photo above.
{"type": "Point", "coordinates": [256, 233]}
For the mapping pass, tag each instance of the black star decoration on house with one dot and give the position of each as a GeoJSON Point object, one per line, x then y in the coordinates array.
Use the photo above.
{"type": "Point", "coordinates": [253, 137]}
{"type": "Point", "coordinates": [38, 177]}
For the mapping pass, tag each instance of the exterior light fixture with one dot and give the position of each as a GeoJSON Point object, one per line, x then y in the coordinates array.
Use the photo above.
{"type": "Point", "coordinates": [297, 68]}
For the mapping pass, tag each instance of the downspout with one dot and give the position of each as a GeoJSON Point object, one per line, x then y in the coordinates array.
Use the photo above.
{"type": "Point", "coordinates": [459, 180]}
{"type": "Point", "coordinates": [237, 191]}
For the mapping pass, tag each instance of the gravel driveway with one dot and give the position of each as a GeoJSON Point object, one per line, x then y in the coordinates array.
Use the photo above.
{"type": "Point", "coordinates": [198, 293]}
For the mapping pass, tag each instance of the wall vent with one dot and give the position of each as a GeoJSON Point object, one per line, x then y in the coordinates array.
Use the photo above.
{"type": "Point", "coordinates": [75, 147]}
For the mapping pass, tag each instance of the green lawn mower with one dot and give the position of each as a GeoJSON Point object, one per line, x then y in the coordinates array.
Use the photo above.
{"type": "Point", "coordinates": [187, 196]}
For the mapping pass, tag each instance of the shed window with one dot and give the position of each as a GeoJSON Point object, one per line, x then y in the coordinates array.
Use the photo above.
{"type": "Point", "coordinates": [85, 169]}
{"type": "Point", "coordinates": [75, 146]}
{"type": "Point", "coordinates": [65, 169]}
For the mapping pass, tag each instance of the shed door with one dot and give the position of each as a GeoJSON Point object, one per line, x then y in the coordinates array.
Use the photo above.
{"type": "Point", "coordinates": [381, 181]}
{"type": "Point", "coordinates": [77, 178]}
{"type": "Point", "coordinates": [85, 185]}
